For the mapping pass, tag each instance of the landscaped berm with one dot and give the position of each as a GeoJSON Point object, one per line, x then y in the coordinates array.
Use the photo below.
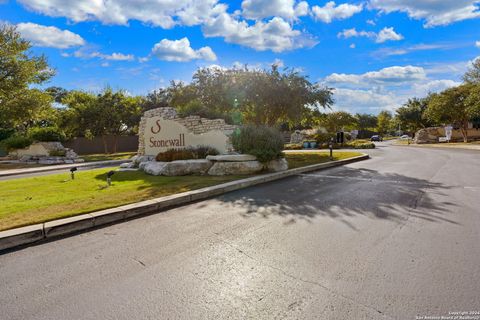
{"type": "Point", "coordinates": [33, 200]}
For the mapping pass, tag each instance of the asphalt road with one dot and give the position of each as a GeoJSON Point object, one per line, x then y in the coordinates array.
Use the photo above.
{"type": "Point", "coordinates": [393, 237]}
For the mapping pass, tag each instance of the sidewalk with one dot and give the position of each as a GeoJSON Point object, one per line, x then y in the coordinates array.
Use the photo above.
{"type": "Point", "coordinates": [15, 172]}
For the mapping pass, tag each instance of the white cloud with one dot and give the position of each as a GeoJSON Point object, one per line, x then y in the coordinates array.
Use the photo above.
{"type": "Point", "coordinates": [435, 13]}
{"type": "Point", "coordinates": [279, 63]}
{"type": "Point", "coordinates": [276, 34]}
{"type": "Point", "coordinates": [349, 33]}
{"type": "Point", "coordinates": [386, 34]}
{"type": "Point", "coordinates": [395, 76]}
{"type": "Point", "coordinates": [163, 13]}
{"type": "Point", "coordinates": [371, 22]}
{"type": "Point", "coordinates": [259, 9]}
{"type": "Point", "coordinates": [330, 11]}
{"type": "Point", "coordinates": [418, 47]}
{"type": "Point", "coordinates": [365, 101]}
{"type": "Point", "coordinates": [85, 53]}
{"type": "Point", "coordinates": [52, 37]}
{"type": "Point", "coordinates": [180, 50]}
{"type": "Point", "coordinates": [387, 88]}
{"type": "Point", "coordinates": [352, 46]}
{"type": "Point", "coordinates": [477, 44]}
{"type": "Point", "coordinates": [422, 89]}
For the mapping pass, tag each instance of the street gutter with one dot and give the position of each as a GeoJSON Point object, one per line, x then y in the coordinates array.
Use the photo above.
{"type": "Point", "coordinates": [19, 237]}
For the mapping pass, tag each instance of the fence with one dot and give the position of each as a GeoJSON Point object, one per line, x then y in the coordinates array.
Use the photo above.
{"type": "Point", "coordinates": [96, 145]}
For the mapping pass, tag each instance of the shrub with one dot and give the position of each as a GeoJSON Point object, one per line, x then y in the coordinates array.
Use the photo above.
{"type": "Point", "coordinates": [360, 145]}
{"type": "Point", "coordinates": [46, 134]}
{"type": "Point", "coordinates": [263, 142]}
{"type": "Point", "coordinates": [6, 133]}
{"type": "Point", "coordinates": [203, 151]}
{"type": "Point", "coordinates": [293, 146]}
{"type": "Point", "coordinates": [324, 137]}
{"type": "Point", "coordinates": [16, 142]}
{"type": "Point", "coordinates": [200, 152]}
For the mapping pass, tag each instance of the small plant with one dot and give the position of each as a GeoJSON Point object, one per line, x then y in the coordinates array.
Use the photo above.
{"type": "Point", "coordinates": [261, 141]}
{"type": "Point", "coordinates": [16, 142]}
{"type": "Point", "coordinates": [200, 152]}
{"type": "Point", "coordinates": [293, 146]}
{"type": "Point", "coordinates": [203, 151]}
{"type": "Point", "coordinates": [360, 145]}
{"type": "Point", "coordinates": [46, 134]}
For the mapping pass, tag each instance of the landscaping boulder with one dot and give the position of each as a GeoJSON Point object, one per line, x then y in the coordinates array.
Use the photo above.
{"type": "Point", "coordinates": [428, 135]}
{"type": "Point", "coordinates": [186, 167]}
{"type": "Point", "coordinates": [154, 168]}
{"type": "Point", "coordinates": [137, 160]}
{"type": "Point", "coordinates": [277, 165]}
{"type": "Point", "coordinates": [127, 165]}
{"type": "Point", "coordinates": [232, 157]}
{"type": "Point", "coordinates": [233, 168]}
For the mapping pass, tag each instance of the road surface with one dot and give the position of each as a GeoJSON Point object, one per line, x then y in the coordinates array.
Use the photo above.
{"type": "Point", "coordinates": [394, 237]}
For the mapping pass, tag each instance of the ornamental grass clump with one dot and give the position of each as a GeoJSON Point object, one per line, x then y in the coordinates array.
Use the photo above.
{"type": "Point", "coordinates": [199, 152]}
{"type": "Point", "coordinates": [264, 142]}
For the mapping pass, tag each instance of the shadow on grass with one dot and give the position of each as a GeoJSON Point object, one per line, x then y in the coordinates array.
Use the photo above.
{"type": "Point", "coordinates": [342, 194]}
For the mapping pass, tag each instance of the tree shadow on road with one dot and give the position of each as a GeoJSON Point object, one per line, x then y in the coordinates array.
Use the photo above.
{"type": "Point", "coordinates": [345, 193]}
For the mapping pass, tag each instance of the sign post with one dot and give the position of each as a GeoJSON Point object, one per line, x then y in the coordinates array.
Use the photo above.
{"type": "Point", "coordinates": [448, 132]}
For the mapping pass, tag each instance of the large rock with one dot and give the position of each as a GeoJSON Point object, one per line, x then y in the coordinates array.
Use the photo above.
{"type": "Point", "coordinates": [186, 167]}
{"type": "Point", "coordinates": [428, 135]}
{"type": "Point", "coordinates": [127, 165]}
{"type": "Point", "coordinates": [277, 165]}
{"type": "Point", "coordinates": [233, 168]}
{"type": "Point", "coordinates": [137, 160]}
{"type": "Point", "coordinates": [232, 157]}
{"type": "Point", "coordinates": [154, 168]}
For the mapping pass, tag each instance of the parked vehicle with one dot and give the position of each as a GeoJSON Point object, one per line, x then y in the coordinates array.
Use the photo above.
{"type": "Point", "coordinates": [405, 137]}
{"type": "Point", "coordinates": [376, 138]}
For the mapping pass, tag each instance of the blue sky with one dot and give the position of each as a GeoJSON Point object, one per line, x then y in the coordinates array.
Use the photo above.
{"type": "Point", "coordinates": [375, 53]}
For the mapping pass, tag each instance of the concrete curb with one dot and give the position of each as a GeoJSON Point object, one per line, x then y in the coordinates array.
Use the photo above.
{"type": "Point", "coordinates": [19, 172]}
{"type": "Point", "coordinates": [26, 235]}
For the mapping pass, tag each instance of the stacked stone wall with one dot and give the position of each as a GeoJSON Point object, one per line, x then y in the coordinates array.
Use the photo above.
{"type": "Point", "coordinates": [194, 124]}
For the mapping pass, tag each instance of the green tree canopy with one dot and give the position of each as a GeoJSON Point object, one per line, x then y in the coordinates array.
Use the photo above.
{"type": "Point", "coordinates": [262, 97]}
{"type": "Point", "coordinates": [411, 115]}
{"type": "Point", "coordinates": [384, 122]}
{"type": "Point", "coordinates": [457, 106]}
{"type": "Point", "coordinates": [366, 121]}
{"type": "Point", "coordinates": [336, 121]}
{"type": "Point", "coordinates": [20, 104]}
{"type": "Point", "coordinates": [473, 73]}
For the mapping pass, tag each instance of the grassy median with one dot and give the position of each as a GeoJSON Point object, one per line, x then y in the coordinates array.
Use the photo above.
{"type": "Point", "coordinates": [38, 199]}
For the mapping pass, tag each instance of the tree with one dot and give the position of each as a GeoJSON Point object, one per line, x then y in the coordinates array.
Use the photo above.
{"type": "Point", "coordinates": [384, 122]}
{"type": "Point", "coordinates": [473, 73]}
{"type": "Point", "coordinates": [411, 115]}
{"type": "Point", "coordinates": [457, 106]}
{"type": "Point", "coordinates": [57, 93]}
{"type": "Point", "coordinates": [366, 121]}
{"type": "Point", "coordinates": [19, 69]}
{"type": "Point", "coordinates": [261, 97]}
{"type": "Point", "coordinates": [160, 98]}
{"type": "Point", "coordinates": [108, 113]}
{"type": "Point", "coordinates": [337, 121]}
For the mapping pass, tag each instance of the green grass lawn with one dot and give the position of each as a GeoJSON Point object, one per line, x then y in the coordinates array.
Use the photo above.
{"type": "Point", "coordinates": [306, 158]}
{"type": "Point", "coordinates": [33, 200]}
{"type": "Point", "coordinates": [105, 157]}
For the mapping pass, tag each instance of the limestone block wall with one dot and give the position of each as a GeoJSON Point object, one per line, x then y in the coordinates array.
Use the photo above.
{"type": "Point", "coordinates": [194, 124]}
{"type": "Point", "coordinates": [431, 135]}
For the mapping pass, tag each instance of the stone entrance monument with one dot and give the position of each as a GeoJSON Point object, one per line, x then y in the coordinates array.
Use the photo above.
{"type": "Point", "coordinates": [162, 129]}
